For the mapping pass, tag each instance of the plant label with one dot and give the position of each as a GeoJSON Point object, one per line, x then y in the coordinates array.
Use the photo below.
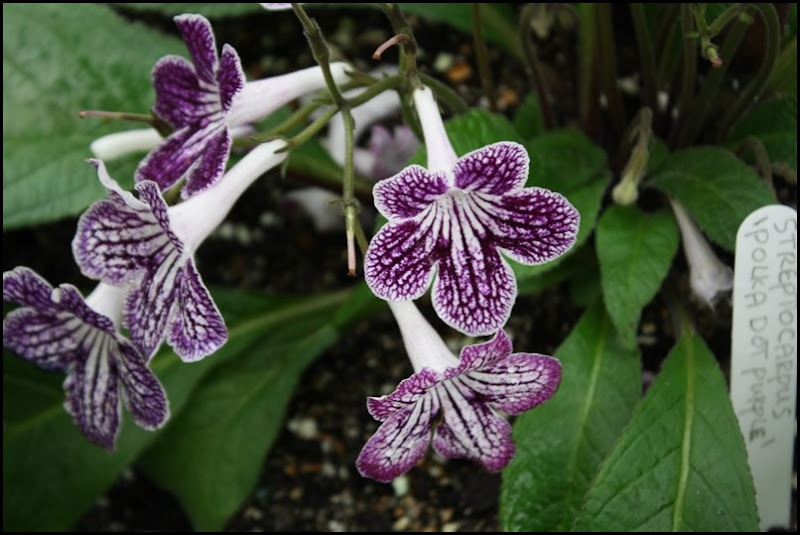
{"type": "Point", "coordinates": [764, 354]}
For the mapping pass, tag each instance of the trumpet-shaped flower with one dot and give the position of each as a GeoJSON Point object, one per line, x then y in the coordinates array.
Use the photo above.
{"type": "Point", "coordinates": [458, 398]}
{"type": "Point", "coordinates": [449, 222]}
{"type": "Point", "coordinates": [709, 278]}
{"type": "Point", "coordinates": [205, 100]}
{"type": "Point", "coordinates": [56, 329]}
{"type": "Point", "coordinates": [141, 242]}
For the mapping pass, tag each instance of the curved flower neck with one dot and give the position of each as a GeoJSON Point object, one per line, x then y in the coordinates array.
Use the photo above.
{"type": "Point", "coordinates": [260, 98]}
{"type": "Point", "coordinates": [425, 347]}
{"type": "Point", "coordinates": [107, 300]}
{"type": "Point", "coordinates": [441, 155]}
{"type": "Point", "coordinates": [112, 146]}
{"type": "Point", "coordinates": [196, 218]}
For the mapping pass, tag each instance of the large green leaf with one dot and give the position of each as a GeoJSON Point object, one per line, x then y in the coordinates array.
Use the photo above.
{"type": "Point", "coordinates": [51, 473]}
{"type": "Point", "coordinates": [635, 251]}
{"type": "Point", "coordinates": [561, 444]}
{"type": "Point", "coordinates": [681, 465]}
{"type": "Point", "coordinates": [774, 122]}
{"type": "Point", "coordinates": [57, 60]}
{"type": "Point", "coordinates": [717, 189]}
{"type": "Point", "coordinates": [210, 457]}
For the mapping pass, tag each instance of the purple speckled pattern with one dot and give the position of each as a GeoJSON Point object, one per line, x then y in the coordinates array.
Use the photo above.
{"type": "Point", "coordinates": [128, 241]}
{"type": "Point", "coordinates": [193, 97]}
{"type": "Point", "coordinates": [464, 400]}
{"type": "Point", "coordinates": [56, 330]}
{"type": "Point", "coordinates": [450, 230]}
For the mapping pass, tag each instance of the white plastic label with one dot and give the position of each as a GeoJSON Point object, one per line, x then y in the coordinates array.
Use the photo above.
{"type": "Point", "coordinates": [764, 354]}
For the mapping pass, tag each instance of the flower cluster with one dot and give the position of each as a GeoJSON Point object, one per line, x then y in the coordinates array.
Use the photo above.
{"type": "Point", "coordinates": [141, 250]}
{"type": "Point", "coordinates": [452, 226]}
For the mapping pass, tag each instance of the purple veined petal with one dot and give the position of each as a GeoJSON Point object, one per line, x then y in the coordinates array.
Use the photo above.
{"type": "Point", "coordinates": [197, 328]}
{"type": "Point", "coordinates": [211, 167]}
{"type": "Point", "coordinates": [148, 306]}
{"type": "Point", "coordinates": [92, 391]}
{"type": "Point", "coordinates": [475, 288]}
{"type": "Point", "coordinates": [180, 99]}
{"type": "Point", "coordinates": [532, 226]}
{"type": "Point", "coordinates": [407, 393]}
{"type": "Point", "coordinates": [518, 382]}
{"type": "Point", "coordinates": [471, 429]}
{"type": "Point", "coordinates": [399, 442]}
{"type": "Point", "coordinates": [230, 77]}
{"type": "Point", "coordinates": [25, 287]}
{"type": "Point", "coordinates": [494, 169]}
{"type": "Point", "coordinates": [142, 392]}
{"type": "Point", "coordinates": [198, 35]}
{"type": "Point", "coordinates": [40, 337]}
{"type": "Point", "coordinates": [180, 151]}
{"type": "Point", "coordinates": [115, 239]}
{"type": "Point", "coordinates": [479, 356]}
{"type": "Point", "coordinates": [408, 193]}
{"type": "Point", "coordinates": [400, 259]}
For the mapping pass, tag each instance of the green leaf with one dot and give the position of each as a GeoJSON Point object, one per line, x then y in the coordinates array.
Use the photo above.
{"type": "Point", "coordinates": [561, 444]}
{"type": "Point", "coordinates": [635, 251]}
{"type": "Point", "coordinates": [717, 189]}
{"type": "Point", "coordinates": [681, 465]}
{"type": "Point", "coordinates": [57, 60]}
{"type": "Point", "coordinates": [210, 457]}
{"type": "Point", "coordinates": [528, 117]}
{"type": "Point", "coordinates": [774, 122]}
{"type": "Point", "coordinates": [51, 473]}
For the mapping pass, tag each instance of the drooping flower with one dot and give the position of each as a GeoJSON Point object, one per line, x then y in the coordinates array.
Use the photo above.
{"type": "Point", "coordinates": [142, 243]}
{"type": "Point", "coordinates": [56, 329]}
{"type": "Point", "coordinates": [709, 278]}
{"type": "Point", "coordinates": [458, 398]}
{"type": "Point", "coordinates": [448, 224]}
{"type": "Point", "coordinates": [205, 99]}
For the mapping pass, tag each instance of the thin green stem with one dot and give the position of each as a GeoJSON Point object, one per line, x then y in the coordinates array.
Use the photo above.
{"type": "Point", "coordinates": [531, 58]}
{"type": "Point", "coordinates": [608, 67]}
{"type": "Point", "coordinates": [706, 100]}
{"type": "Point", "coordinates": [762, 159]}
{"type": "Point", "coordinates": [587, 91]}
{"type": "Point", "coordinates": [646, 55]}
{"type": "Point", "coordinates": [311, 130]}
{"type": "Point", "coordinates": [482, 57]}
{"type": "Point", "coordinates": [751, 93]}
{"type": "Point", "coordinates": [689, 70]}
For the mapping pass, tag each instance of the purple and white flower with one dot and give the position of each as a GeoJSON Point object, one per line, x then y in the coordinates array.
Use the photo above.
{"type": "Point", "coordinates": [205, 100]}
{"type": "Point", "coordinates": [448, 224]}
{"type": "Point", "coordinates": [56, 329]}
{"type": "Point", "coordinates": [458, 398]}
{"type": "Point", "coordinates": [144, 244]}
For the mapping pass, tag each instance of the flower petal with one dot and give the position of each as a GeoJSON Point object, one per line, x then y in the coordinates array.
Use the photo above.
{"type": "Point", "coordinates": [400, 259]}
{"type": "Point", "coordinates": [399, 442]}
{"type": "Point", "coordinates": [405, 395]}
{"type": "Point", "coordinates": [116, 239]}
{"type": "Point", "coordinates": [494, 169]}
{"type": "Point", "coordinates": [516, 383]}
{"type": "Point", "coordinates": [143, 394]}
{"type": "Point", "coordinates": [532, 226]}
{"type": "Point", "coordinates": [408, 193]}
{"type": "Point", "coordinates": [92, 391]}
{"type": "Point", "coordinates": [25, 287]}
{"type": "Point", "coordinates": [180, 99]}
{"type": "Point", "coordinates": [474, 288]}
{"type": "Point", "coordinates": [230, 77]}
{"type": "Point", "coordinates": [41, 337]}
{"type": "Point", "coordinates": [197, 329]}
{"type": "Point", "coordinates": [211, 167]}
{"type": "Point", "coordinates": [198, 35]}
{"type": "Point", "coordinates": [471, 430]}
{"type": "Point", "coordinates": [149, 305]}
{"type": "Point", "coordinates": [172, 159]}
